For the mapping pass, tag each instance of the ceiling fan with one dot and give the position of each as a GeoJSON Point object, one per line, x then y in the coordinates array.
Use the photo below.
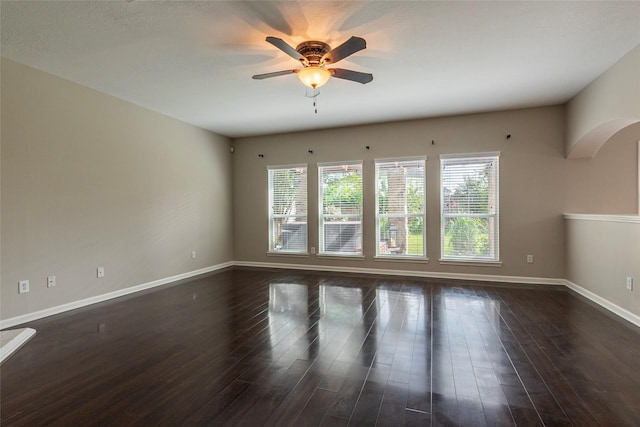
{"type": "Point", "coordinates": [315, 56]}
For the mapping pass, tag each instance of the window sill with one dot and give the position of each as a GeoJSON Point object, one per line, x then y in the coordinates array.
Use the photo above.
{"type": "Point", "coordinates": [401, 259]}
{"type": "Point", "coordinates": [290, 254]}
{"type": "Point", "coordinates": [472, 263]}
{"type": "Point", "coordinates": [340, 256]}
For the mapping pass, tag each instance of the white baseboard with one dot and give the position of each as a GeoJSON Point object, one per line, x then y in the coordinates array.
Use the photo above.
{"type": "Point", "coordinates": [605, 303]}
{"type": "Point", "coordinates": [615, 309]}
{"type": "Point", "coordinates": [411, 273]}
{"type": "Point", "coordinates": [29, 317]}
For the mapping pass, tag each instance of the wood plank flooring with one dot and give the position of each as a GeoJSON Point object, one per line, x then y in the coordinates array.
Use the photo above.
{"type": "Point", "coordinates": [252, 347]}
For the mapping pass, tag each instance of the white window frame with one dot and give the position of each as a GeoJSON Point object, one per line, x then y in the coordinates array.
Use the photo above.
{"type": "Point", "coordinates": [305, 216]}
{"type": "Point", "coordinates": [379, 216]}
{"type": "Point", "coordinates": [493, 214]}
{"type": "Point", "coordinates": [321, 216]}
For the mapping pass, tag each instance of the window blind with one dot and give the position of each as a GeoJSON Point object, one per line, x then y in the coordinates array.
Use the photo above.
{"type": "Point", "coordinates": [400, 207]}
{"type": "Point", "coordinates": [340, 205]}
{"type": "Point", "coordinates": [288, 208]}
{"type": "Point", "coordinates": [469, 207]}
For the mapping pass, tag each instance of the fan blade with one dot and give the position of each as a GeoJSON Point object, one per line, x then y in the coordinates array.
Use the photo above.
{"type": "Point", "coordinates": [351, 46]}
{"type": "Point", "coordinates": [274, 74]}
{"type": "Point", "coordinates": [354, 76]}
{"type": "Point", "coordinates": [283, 46]}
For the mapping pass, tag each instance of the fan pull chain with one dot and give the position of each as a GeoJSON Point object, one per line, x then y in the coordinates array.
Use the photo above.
{"type": "Point", "coordinates": [313, 94]}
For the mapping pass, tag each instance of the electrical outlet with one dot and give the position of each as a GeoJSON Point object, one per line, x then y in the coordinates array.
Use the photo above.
{"type": "Point", "coordinates": [313, 250]}
{"type": "Point", "coordinates": [529, 259]}
{"type": "Point", "coordinates": [629, 283]}
{"type": "Point", "coordinates": [23, 286]}
{"type": "Point", "coordinates": [193, 255]}
{"type": "Point", "coordinates": [51, 281]}
{"type": "Point", "coordinates": [100, 271]}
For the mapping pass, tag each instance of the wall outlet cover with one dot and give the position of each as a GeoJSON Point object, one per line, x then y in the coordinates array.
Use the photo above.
{"type": "Point", "coordinates": [23, 286]}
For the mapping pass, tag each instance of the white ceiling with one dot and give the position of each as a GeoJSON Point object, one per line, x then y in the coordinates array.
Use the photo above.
{"type": "Point", "coordinates": [193, 60]}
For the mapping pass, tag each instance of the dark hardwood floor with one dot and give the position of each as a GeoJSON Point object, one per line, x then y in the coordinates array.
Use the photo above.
{"type": "Point", "coordinates": [253, 347]}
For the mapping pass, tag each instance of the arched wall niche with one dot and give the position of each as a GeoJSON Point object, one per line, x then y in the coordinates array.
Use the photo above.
{"type": "Point", "coordinates": [592, 141]}
{"type": "Point", "coordinates": [606, 106]}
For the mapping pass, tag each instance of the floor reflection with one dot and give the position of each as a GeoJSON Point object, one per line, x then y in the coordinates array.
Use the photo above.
{"type": "Point", "coordinates": [400, 317]}
{"type": "Point", "coordinates": [467, 350]}
{"type": "Point", "coordinates": [329, 320]}
{"type": "Point", "coordinates": [289, 299]}
{"type": "Point", "coordinates": [288, 310]}
{"type": "Point", "coordinates": [442, 346]}
{"type": "Point", "coordinates": [340, 304]}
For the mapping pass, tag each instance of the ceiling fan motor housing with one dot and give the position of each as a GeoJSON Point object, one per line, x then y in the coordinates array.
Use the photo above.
{"type": "Point", "coordinates": [313, 51]}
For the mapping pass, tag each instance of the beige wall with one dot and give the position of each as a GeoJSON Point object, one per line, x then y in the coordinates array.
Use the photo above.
{"type": "Point", "coordinates": [601, 254]}
{"type": "Point", "coordinates": [608, 182]}
{"type": "Point", "coordinates": [532, 185]}
{"type": "Point", "coordinates": [89, 180]}
{"type": "Point", "coordinates": [602, 250]}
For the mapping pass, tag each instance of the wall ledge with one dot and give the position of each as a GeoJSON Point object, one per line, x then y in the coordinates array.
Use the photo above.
{"type": "Point", "coordinates": [634, 219]}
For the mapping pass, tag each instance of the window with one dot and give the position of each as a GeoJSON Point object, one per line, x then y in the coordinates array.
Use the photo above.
{"type": "Point", "coordinates": [288, 209]}
{"type": "Point", "coordinates": [469, 206]}
{"type": "Point", "coordinates": [400, 209]}
{"type": "Point", "coordinates": [340, 208]}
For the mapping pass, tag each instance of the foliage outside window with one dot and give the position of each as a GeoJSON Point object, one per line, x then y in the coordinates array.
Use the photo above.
{"type": "Point", "coordinates": [400, 208]}
{"type": "Point", "coordinates": [469, 207]}
{"type": "Point", "coordinates": [288, 209]}
{"type": "Point", "coordinates": [340, 203]}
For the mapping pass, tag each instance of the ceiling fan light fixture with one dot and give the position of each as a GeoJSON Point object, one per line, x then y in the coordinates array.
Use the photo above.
{"type": "Point", "coordinates": [314, 76]}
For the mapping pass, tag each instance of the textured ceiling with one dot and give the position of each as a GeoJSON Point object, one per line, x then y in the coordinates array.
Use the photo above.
{"type": "Point", "coordinates": [194, 60]}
